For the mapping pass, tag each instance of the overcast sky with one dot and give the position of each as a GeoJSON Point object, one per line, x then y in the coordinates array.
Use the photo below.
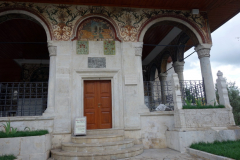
{"type": "Point", "coordinates": [224, 55]}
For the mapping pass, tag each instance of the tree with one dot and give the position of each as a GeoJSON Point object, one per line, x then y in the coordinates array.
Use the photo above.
{"type": "Point", "coordinates": [234, 98]}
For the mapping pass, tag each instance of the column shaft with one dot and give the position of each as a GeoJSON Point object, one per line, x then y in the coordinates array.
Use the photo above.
{"type": "Point", "coordinates": [163, 77]}
{"type": "Point", "coordinates": [51, 81]}
{"type": "Point", "coordinates": [204, 57]}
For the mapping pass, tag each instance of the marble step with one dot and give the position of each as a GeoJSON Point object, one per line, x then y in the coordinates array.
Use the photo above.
{"type": "Point", "coordinates": [105, 131]}
{"type": "Point", "coordinates": [95, 147]}
{"type": "Point", "coordinates": [59, 154]}
{"type": "Point", "coordinates": [101, 138]}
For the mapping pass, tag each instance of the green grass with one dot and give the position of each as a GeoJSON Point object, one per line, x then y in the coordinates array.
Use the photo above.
{"type": "Point", "coordinates": [23, 134]}
{"type": "Point", "coordinates": [203, 107]}
{"type": "Point", "coordinates": [230, 149]}
{"type": "Point", "coordinates": [7, 157]}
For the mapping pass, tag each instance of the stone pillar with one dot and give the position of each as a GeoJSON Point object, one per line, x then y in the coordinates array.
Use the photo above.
{"type": "Point", "coordinates": [138, 53]}
{"type": "Point", "coordinates": [178, 68]}
{"type": "Point", "coordinates": [223, 95]}
{"type": "Point", "coordinates": [51, 80]}
{"type": "Point", "coordinates": [163, 78]}
{"type": "Point", "coordinates": [203, 52]}
{"type": "Point", "coordinates": [179, 116]}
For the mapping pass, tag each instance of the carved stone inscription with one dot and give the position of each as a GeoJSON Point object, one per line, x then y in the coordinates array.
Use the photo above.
{"type": "Point", "coordinates": [131, 79]}
{"type": "Point", "coordinates": [96, 62]}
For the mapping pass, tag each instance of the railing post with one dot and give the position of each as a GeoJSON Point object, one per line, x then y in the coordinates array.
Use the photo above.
{"type": "Point", "coordinates": [223, 95]}
{"type": "Point", "coordinates": [179, 118]}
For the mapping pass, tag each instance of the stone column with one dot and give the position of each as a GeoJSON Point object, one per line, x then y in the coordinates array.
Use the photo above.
{"type": "Point", "coordinates": [178, 68]}
{"type": "Point", "coordinates": [51, 80]}
{"type": "Point", "coordinates": [138, 53]}
{"type": "Point", "coordinates": [203, 52]}
{"type": "Point", "coordinates": [163, 78]}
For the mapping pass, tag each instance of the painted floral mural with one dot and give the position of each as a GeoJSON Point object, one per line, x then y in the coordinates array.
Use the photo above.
{"type": "Point", "coordinates": [63, 18]}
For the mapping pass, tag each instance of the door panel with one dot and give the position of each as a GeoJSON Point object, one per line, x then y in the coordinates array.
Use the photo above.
{"type": "Point", "coordinates": [98, 104]}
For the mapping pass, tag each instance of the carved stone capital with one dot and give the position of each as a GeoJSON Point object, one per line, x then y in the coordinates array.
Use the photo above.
{"type": "Point", "coordinates": [138, 51]}
{"type": "Point", "coordinates": [52, 49]}
{"type": "Point", "coordinates": [162, 76]}
{"type": "Point", "coordinates": [203, 53]}
{"type": "Point", "coordinates": [138, 48]}
{"type": "Point", "coordinates": [178, 66]}
{"type": "Point", "coordinates": [203, 50]}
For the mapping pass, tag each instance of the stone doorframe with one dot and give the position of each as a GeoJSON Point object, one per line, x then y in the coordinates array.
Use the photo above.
{"type": "Point", "coordinates": [98, 74]}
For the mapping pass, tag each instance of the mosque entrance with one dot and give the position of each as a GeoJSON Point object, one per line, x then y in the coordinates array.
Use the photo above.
{"type": "Point", "coordinates": [98, 104]}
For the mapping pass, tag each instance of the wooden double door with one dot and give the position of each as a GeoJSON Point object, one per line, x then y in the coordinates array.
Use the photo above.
{"type": "Point", "coordinates": [98, 104]}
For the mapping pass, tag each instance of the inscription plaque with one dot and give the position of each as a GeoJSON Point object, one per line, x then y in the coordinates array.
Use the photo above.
{"type": "Point", "coordinates": [80, 126]}
{"type": "Point", "coordinates": [96, 62]}
{"type": "Point", "coordinates": [131, 79]}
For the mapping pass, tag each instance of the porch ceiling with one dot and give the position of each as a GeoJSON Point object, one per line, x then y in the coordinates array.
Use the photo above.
{"type": "Point", "coordinates": [219, 11]}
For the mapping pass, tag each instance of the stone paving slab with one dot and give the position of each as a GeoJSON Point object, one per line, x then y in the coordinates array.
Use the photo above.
{"type": "Point", "coordinates": [163, 154]}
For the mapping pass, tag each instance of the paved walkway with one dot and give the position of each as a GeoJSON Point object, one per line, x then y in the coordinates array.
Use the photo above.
{"type": "Point", "coordinates": [163, 154]}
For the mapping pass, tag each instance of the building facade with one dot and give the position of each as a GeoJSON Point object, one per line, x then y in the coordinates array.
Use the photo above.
{"type": "Point", "coordinates": [100, 58]}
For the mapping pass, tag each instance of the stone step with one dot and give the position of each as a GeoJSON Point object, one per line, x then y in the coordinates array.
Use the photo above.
{"type": "Point", "coordinates": [96, 147]}
{"type": "Point", "coordinates": [105, 131]}
{"type": "Point", "coordinates": [101, 138]}
{"type": "Point", "coordinates": [59, 154]}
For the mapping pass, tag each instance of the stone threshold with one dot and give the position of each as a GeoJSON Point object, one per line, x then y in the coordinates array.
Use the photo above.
{"type": "Point", "coordinates": [25, 118]}
{"type": "Point", "coordinates": [206, 155]}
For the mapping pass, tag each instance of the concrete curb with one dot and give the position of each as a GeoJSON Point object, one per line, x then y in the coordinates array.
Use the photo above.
{"type": "Point", "coordinates": [206, 155]}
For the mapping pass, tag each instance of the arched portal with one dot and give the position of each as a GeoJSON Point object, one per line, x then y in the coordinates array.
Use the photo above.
{"type": "Point", "coordinates": [23, 55]}
{"type": "Point", "coordinates": [96, 27]}
{"type": "Point", "coordinates": [165, 40]}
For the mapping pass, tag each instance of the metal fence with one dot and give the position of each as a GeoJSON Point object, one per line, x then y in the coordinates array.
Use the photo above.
{"type": "Point", "coordinates": [193, 91]}
{"type": "Point", "coordinates": [23, 98]}
{"type": "Point", "coordinates": [156, 93]}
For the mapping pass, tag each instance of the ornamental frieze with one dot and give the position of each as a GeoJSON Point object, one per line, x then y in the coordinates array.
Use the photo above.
{"type": "Point", "coordinates": [63, 18]}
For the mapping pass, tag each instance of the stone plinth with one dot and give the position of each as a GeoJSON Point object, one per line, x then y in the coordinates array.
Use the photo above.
{"type": "Point", "coordinates": [27, 148]}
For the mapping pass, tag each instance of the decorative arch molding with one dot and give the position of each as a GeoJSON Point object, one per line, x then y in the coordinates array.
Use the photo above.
{"type": "Point", "coordinates": [97, 16]}
{"type": "Point", "coordinates": [45, 24]}
{"type": "Point", "coordinates": [194, 28]}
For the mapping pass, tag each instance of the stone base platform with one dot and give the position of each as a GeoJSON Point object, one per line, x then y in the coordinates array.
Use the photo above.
{"type": "Point", "coordinates": [98, 144]}
{"type": "Point", "coordinates": [181, 140]}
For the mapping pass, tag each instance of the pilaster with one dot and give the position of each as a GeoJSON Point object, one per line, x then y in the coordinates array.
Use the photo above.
{"type": "Point", "coordinates": [52, 80]}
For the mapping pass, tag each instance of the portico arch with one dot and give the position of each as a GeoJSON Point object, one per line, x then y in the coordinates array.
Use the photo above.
{"type": "Point", "coordinates": [37, 17]}
{"type": "Point", "coordinates": [195, 29]}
